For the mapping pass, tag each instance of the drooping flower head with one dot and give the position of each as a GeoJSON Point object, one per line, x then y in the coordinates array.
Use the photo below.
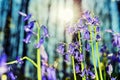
{"type": "Point", "coordinates": [87, 35]}
{"type": "Point", "coordinates": [61, 48]}
{"type": "Point", "coordinates": [41, 41]}
{"type": "Point", "coordinates": [26, 17]}
{"type": "Point", "coordinates": [3, 66]}
{"type": "Point", "coordinates": [45, 31]}
{"type": "Point", "coordinates": [27, 39]}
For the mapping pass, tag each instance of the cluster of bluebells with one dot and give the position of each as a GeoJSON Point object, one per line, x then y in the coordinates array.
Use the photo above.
{"type": "Point", "coordinates": [46, 69]}
{"type": "Point", "coordinates": [88, 27]}
{"type": "Point", "coordinates": [5, 69]}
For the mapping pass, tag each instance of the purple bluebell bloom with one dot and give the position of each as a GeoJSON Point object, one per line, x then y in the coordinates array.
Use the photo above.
{"type": "Point", "coordinates": [80, 57]}
{"type": "Point", "coordinates": [51, 73]}
{"type": "Point", "coordinates": [87, 47]}
{"type": "Point", "coordinates": [116, 40]}
{"type": "Point", "coordinates": [97, 29]}
{"type": "Point", "coordinates": [92, 75]}
{"type": "Point", "coordinates": [109, 69]}
{"type": "Point", "coordinates": [12, 76]}
{"type": "Point", "coordinates": [70, 30]}
{"type": "Point", "coordinates": [3, 66]}
{"type": "Point", "coordinates": [30, 25]}
{"type": "Point", "coordinates": [26, 17]}
{"type": "Point", "coordinates": [87, 72]}
{"type": "Point", "coordinates": [67, 58]}
{"type": "Point", "coordinates": [61, 48]}
{"type": "Point", "coordinates": [86, 15]}
{"type": "Point", "coordinates": [76, 53]}
{"type": "Point", "coordinates": [87, 35]}
{"type": "Point", "coordinates": [95, 21]}
{"type": "Point", "coordinates": [45, 31]}
{"type": "Point", "coordinates": [103, 49]}
{"type": "Point", "coordinates": [27, 39]}
{"type": "Point", "coordinates": [71, 48]}
{"type": "Point", "coordinates": [77, 68]}
{"type": "Point", "coordinates": [113, 78]}
{"type": "Point", "coordinates": [41, 41]}
{"type": "Point", "coordinates": [19, 60]}
{"type": "Point", "coordinates": [98, 38]}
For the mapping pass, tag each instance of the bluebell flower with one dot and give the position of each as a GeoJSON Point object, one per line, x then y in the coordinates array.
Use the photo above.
{"type": "Point", "coordinates": [51, 73]}
{"type": "Point", "coordinates": [67, 58]}
{"type": "Point", "coordinates": [96, 21]}
{"type": "Point", "coordinates": [87, 35]}
{"type": "Point", "coordinates": [97, 29]}
{"type": "Point", "coordinates": [70, 30]}
{"type": "Point", "coordinates": [26, 17]}
{"type": "Point", "coordinates": [71, 48]}
{"type": "Point", "coordinates": [77, 68]}
{"type": "Point", "coordinates": [41, 41]}
{"type": "Point", "coordinates": [3, 66]}
{"type": "Point", "coordinates": [113, 78]}
{"type": "Point", "coordinates": [113, 58]}
{"type": "Point", "coordinates": [12, 76]}
{"type": "Point", "coordinates": [109, 69]}
{"type": "Point", "coordinates": [27, 39]}
{"type": "Point", "coordinates": [45, 31]}
{"type": "Point", "coordinates": [98, 38]}
{"type": "Point", "coordinates": [86, 15]}
{"type": "Point", "coordinates": [61, 48]}
{"type": "Point", "coordinates": [87, 47]}
{"type": "Point", "coordinates": [103, 49]}
{"type": "Point", "coordinates": [19, 60]}
{"type": "Point", "coordinates": [80, 57]}
{"type": "Point", "coordinates": [87, 72]}
{"type": "Point", "coordinates": [31, 24]}
{"type": "Point", "coordinates": [116, 40]}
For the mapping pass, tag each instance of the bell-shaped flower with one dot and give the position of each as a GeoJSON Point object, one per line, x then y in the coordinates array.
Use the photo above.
{"type": "Point", "coordinates": [41, 41]}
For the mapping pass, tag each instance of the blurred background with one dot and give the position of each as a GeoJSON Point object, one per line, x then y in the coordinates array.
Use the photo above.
{"type": "Point", "coordinates": [56, 15]}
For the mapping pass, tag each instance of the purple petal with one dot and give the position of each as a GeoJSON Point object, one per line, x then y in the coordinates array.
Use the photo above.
{"type": "Point", "coordinates": [61, 48]}
{"type": "Point", "coordinates": [92, 75]}
{"type": "Point", "coordinates": [97, 29]}
{"type": "Point", "coordinates": [23, 14]}
{"type": "Point", "coordinates": [19, 60]}
{"type": "Point", "coordinates": [87, 47]}
{"type": "Point", "coordinates": [38, 45]}
{"type": "Point", "coordinates": [3, 67]}
{"type": "Point", "coordinates": [45, 31]}
{"type": "Point", "coordinates": [87, 35]}
{"type": "Point", "coordinates": [12, 76]}
{"type": "Point", "coordinates": [27, 39]}
{"type": "Point", "coordinates": [77, 68]}
{"type": "Point", "coordinates": [27, 17]}
{"type": "Point", "coordinates": [67, 58]}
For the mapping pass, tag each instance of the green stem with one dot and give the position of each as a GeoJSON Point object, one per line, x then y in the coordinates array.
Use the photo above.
{"type": "Point", "coordinates": [73, 68]}
{"type": "Point", "coordinates": [100, 71]}
{"type": "Point", "coordinates": [97, 52]}
{"type": "Point", "coordinates": [93, 57]}
{"type": "Point", "coordinates": [104, 74]}
{"type": "Point", "coordinates": [82, 64]}
{"type": "Point", "coordinates": [38, 56]}
{"type": "Point", "coordinates": [25, 57]}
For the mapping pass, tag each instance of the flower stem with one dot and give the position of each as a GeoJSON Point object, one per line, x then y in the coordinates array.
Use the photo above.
{"type": "Point", "coordinates": [97, 52]}
{"type": "Point", "coordinates": [100, 71]}
{"type": "Point", "coordinates": [82, 64]}
{"type": "Point", "coordinates": [38, 56]}
{"type": "Point", "coordinates": [93, 57]}
{"type": "Point", "coordinates": [73, 68]}
{"type": "Point", "coordinates": [25, 57]}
